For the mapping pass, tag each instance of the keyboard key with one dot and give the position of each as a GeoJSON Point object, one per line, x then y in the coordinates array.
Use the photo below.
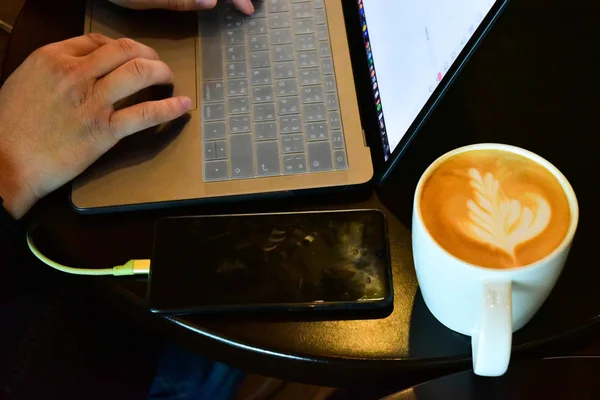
{"type": "Point", "coordinates": [334, 120]}
{"type": "Point", "coordinates": [279, 21]}
{"type": "Point", "coordinates": [283, 53]}
{"type": "Point", "coordinates": [267, 158]}
{"type": "Point", "coordinates": [281, 36]}
{"type": "Point", "coordinates": [209, 151]}
{"type": "Point", "coordinates": [285, 70]}
{"type": "Point", "coordinates": [236, 70]}
{"type": "Point", "coordinates": [277, 6]}
{"type": "Point", "coordinates": [303, 26]}
{"type": "Point", "coordinates": [257, 26]}
{"type": "Point", "coordinates": [319, 3]}
{"type": "Point", "coordinates": [301, 10]}
{"type": "Point", "coordinates": [215, 130]}
{"type": "Point", "coordinates": [259, 42]}
{"type": "Point", "coordinates": [261, 76]}
{"type": "Point", "coordinates": [330, 84]}
{"type": "Point", "coordinates": [233, 21]}
{"type": "Point", "coordinates": [322, 32]}
{"type": "Point", "coordinates": [239, 124]}
{"type": "Point", "coordinates": [316, 131]}
{"type": "Point", "coordinates": [235, 36]}
{"type": "Point", "coordinates": [229, 8]}
{"type": "Point", "coordinates": [259, 9]}
{"type": "Point", "coordinates": [332, 102]}
{"type": "Point", "coordinates": [211, 49]}
{"type": "Point", "coordinates": [216, 170]}
{"type": "Point", "coordinates": [319, 156]}
{"type": "Point", "coordinates": [235, 53]}
{"type": "Point", "coordinates": [290, 124]}
{"type": "Point", "coordinates": [292, 144]}
{"type": "Point", "coordinates": [325, 49]}
{"type": "Point", "coordinates": [306, 42]}
{"type": "Point", "coordinates": [295, 164]}
{"type": "Point", "coordinates": [339, 158]}
{"type": "Point", "coordinates": [264, 112]}
{"type": "Point", "coordinates": [320, 17]}
{"type": "Point", "coordinates": [337, 137]}
{"type": "Point", "coordinates": [307, 59]}
{"type": "Point", "coordinates": [242, 156]}
{"type": "Point", "coordinates": [310, 76]}
{"type": "Point", "coordinates": [265, 131]}
{"type": "Point", "coordinates": [287, 87]}
{"type": "Point", "coordinates": [288, 105]}
{"type": "Point", "coordinates": [221, 147]}
{"type": "Point", "coordinates": [260, 59]}
{"type": "Point", "coordinates": [238, 105]}
{"type": "Point", "coordinates": [262, 94]}
{"type": "Point", "coordinates": [213, 92]}
{"type": "Point", "coordinates": [327, 66]}
{"type": "Point", "coordinates": [315, 112]}
{"type": "Point", "coordinates": [213, 112]}
{"type": "Point", "coordinates": [237, 87]}
{"type": "Point", "coordinates": [312, 94]}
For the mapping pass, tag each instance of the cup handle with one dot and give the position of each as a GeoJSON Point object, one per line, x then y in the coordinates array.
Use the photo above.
{"type": "Point", "coordinates": [492, 339]}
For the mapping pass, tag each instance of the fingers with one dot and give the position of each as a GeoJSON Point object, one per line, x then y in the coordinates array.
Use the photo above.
{"type": "Point", "coordinates": [145, 115]}
{"type": "Point", "coordinates": [81, 45]}
{"type": "Point", "coordinates": [178, 5]}
{"type": "Point", "coordinates": [132, 77]}
{"type": "Point", "coordinates": [244, 6]}
{"type": "Point", "coordinates": [116, 53]}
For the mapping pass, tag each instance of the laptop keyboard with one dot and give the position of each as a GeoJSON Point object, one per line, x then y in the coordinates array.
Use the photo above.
{"type": "Point", "coordinates": [270, 103]}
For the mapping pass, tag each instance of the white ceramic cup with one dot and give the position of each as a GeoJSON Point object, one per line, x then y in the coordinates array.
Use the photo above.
{"type": "Point", "coordinates": [486, 304]}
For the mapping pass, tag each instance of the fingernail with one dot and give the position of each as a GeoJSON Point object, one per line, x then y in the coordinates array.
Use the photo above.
{"type": "Point", "coordinates": [205, 3]}
{"type": "Point", "coordinates": [186, 102]}
{"type": "Point", "coordinates": [251, 7]}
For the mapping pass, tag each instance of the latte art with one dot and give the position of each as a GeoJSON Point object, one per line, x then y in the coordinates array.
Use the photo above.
{"type": "Point", "coordinates": [495, 209]}
{"type": "Point", "coordinates": [501, 222]}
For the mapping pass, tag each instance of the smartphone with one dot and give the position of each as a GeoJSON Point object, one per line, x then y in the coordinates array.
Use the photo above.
{"type": "Point", "coordinates": [308, 261]}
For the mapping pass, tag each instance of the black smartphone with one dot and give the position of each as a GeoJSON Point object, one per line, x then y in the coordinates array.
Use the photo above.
{"type": "Point", "coordinates": [308, 261]}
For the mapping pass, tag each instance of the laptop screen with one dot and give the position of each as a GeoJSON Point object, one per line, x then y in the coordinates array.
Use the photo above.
{"type": "Point", "coordinates": [411, 45]}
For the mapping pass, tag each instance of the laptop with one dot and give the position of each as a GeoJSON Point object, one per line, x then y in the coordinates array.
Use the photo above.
{"type": "Point", "coordinates": [303, 95]}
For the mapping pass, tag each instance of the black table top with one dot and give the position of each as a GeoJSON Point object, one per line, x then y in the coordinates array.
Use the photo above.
{"type": "Point", "coordinates": [533, 84]}
{"type": "Point", "coordinates": [558, 378]}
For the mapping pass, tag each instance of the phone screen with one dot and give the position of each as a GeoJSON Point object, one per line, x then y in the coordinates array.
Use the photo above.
{"type": "Point", "coordinates": [317, 259]}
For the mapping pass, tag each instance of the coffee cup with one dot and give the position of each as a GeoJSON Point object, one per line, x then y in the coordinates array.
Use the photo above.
{"type": "Point", "coordinates": [492, 228]}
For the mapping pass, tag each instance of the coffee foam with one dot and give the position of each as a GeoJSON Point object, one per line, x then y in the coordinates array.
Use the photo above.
{"type": "Point", "coordinates": [495, 209]}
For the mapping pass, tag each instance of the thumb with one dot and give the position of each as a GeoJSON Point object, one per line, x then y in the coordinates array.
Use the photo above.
{"type": "Point", "coordinates": [179, 5]}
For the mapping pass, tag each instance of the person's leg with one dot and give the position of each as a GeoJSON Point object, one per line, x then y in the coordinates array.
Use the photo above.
{"type": "Point", "coordinates": [184, 375]}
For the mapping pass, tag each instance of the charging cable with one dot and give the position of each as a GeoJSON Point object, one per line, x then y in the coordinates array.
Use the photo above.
{"type": "Point", "coordinates": [131, 267]}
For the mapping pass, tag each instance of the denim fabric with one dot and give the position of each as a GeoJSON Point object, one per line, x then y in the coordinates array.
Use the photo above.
{"type": "Point", "coordinates": [184, 375]}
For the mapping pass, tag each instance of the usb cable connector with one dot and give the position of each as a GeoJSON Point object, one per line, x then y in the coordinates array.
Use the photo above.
{"type": "Point", "coordinates": [131, 267]}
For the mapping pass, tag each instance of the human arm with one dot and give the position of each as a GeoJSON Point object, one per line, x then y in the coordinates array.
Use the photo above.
{"type": "Point", "coordinates": [57, 112]}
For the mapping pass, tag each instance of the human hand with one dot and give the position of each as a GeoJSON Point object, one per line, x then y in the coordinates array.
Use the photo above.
{"type": "Point", "coordinates": [244, 6]}
{"type": "Point", "coordinates": [57, 112]}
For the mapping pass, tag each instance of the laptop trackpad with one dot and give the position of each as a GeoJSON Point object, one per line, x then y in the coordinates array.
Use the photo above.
{"type": "Point", "coordinates": [171, 34]}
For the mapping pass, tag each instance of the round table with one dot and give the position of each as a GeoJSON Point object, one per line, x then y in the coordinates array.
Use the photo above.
{"type": "Point", "coordinates": [530, 84]}
{"type": "Point", "coordinates": [555, 378]}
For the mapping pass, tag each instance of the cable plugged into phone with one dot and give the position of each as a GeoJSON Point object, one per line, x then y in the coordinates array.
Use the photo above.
{"type": "Point", "coordinates": [131, 267]}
